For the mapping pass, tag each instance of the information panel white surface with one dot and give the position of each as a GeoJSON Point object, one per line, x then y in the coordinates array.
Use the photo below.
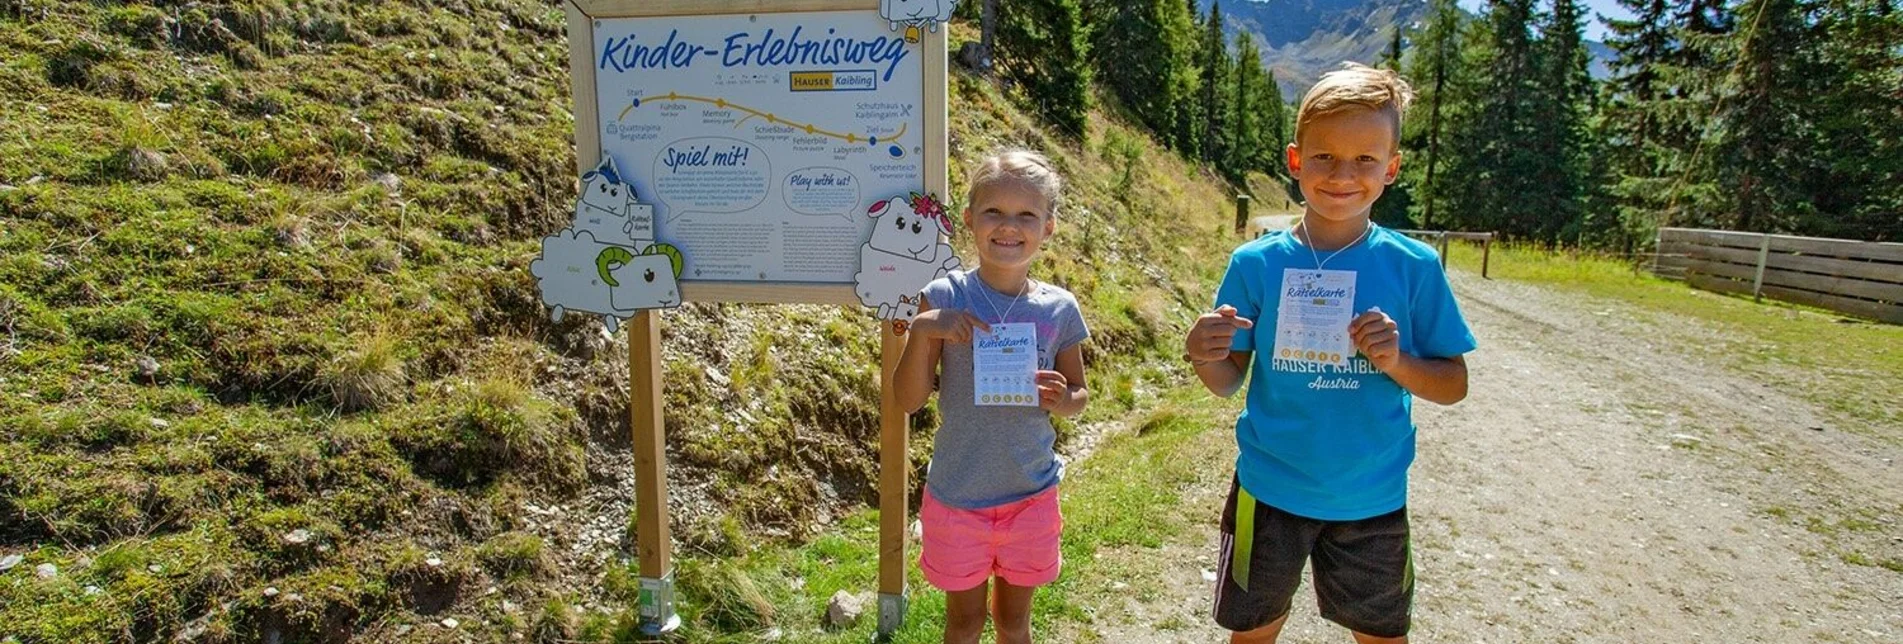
{"type": "Point", "coordinates": [762, 142]}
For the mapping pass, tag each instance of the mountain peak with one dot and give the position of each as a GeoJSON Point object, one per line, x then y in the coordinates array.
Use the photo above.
{"type": "Point", "coordinates": [1303, 39]}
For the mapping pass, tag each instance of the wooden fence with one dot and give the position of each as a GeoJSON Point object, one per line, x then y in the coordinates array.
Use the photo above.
{"type": "Point", "coordinates": [1859, 278]}
{"type": "Point", "coordinates": [1440, 238]}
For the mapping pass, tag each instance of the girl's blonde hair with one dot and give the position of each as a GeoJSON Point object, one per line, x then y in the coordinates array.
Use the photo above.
{"type": "Point", "coordinates": [1017, 165]}
{"type": "Point", "coordinates": [1356, 86]}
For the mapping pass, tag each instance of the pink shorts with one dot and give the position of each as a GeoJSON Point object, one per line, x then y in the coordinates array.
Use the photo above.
{"type": "Point", "coordinates": [1016, 541]}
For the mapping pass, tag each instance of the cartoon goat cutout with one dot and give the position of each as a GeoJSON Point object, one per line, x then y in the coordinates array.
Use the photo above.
{"type": "Point", "coordinates": [916, 13]}
{"type": "Point", "coordinates": [607, 262]}
{"type": "Point", "coordinates": [637, 282]}
{"type": "Point", "coordinates": [903, 255]}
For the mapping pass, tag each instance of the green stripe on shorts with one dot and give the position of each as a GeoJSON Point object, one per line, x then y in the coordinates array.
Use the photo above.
{"type": "Point", "coordinates": [1407, 576]}
{"type": "Point", "coordinates": [1244, 540]}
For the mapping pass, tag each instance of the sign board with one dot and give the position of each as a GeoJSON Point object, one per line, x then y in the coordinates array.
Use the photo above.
{"type": "Point", "coordinates": [760, 142]}
{"type": "Point", "coordinates": [787, 151]}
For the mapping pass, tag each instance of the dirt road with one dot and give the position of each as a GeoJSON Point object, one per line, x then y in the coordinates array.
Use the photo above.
{"type": "Point", "coordinates": [1601, 483]}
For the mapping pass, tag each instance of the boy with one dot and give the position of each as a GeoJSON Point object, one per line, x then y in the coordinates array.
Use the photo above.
{"type": "Point", "coordinates": [1359, 320]}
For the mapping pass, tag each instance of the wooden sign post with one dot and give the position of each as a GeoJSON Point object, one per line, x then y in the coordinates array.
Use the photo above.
{"type": "Point", "coordinates": [755, 135]}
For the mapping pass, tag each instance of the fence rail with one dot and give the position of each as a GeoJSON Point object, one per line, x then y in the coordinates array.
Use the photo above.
{"type": "Point", "coordinates": [1859, 278]}
{"type": "Point", "coordinates": [1440, 238]}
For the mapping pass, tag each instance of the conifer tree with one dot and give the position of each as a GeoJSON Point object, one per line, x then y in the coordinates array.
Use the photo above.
{"type": "Point", "coordinates": [1631, 124]}
{"type": "Point", "coordinates": [1279, 129]}
{"type": "Point", "coordinates": [1432, 70]}
{"type": "Point", "coordinates": [1493, 134]}
{"type": "Point", "coordinates": [1145, 54]}
{"type": "Point", "coordinates": [1560, 138]}
{"type": "Point", "coordinates": [1860, 107]}
{"type": "Point", "coordinates": [1767, 137]}
{"type": "Point", "coordinates": [1217, 95]}
{"type": "Point", "coordinates": [1271, 132]}
{"type": "Point", "coordinates": [1694, 73]}
{"type": "Point", "coordinates": [1396, 202]}
{"type": "Point", "coordinates": [1246, 140]}
{"type": "Point", "coordinates": [1391, 59]}
{"type": "Point", "coordinates": [1043, 49]}
{"type": "Point", "coordinates": [1670, 62]}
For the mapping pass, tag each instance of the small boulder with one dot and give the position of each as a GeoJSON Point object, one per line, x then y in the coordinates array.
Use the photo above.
{"type": "Point", "coordinates": [845, 608]}
{"type": "Point", "coordinates": [390, 182]}
{"type": "Point", "coordinates": [148, 368]}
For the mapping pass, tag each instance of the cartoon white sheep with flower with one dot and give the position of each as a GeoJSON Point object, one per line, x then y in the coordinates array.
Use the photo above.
{"type": "Point", "coordinates": [903, 255]}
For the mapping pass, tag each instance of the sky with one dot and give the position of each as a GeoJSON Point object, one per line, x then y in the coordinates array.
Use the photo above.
{"type": "Point", "coordinates": [1594, 29]}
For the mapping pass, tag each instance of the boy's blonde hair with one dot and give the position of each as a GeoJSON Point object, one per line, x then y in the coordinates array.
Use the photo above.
{"type": "Point", "coordinates": [1356, 86]}
{"type": "Point", "coordinates": [1017, 165]}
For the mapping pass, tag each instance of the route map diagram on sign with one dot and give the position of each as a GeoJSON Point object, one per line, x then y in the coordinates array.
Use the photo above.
{"type": "Point", "coordinates": [893, 147]}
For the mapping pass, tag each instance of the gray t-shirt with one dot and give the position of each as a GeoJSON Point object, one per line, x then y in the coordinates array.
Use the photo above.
{"type": "Point", "coordinates": [989, 456]}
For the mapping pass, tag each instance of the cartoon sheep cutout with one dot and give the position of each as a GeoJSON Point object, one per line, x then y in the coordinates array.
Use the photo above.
{"type": "Point", "coordinates": [607, 261]}
{"type": "Point", "coordinates": [916, 13]}
{"type": "Point", "coordinates": [903, 255]}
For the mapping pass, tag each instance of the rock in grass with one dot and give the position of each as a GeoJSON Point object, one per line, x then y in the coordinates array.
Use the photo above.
{"type": "Point", "coordinates": [148, 368]}
{"type": "Point", "coordinates": [844, 609]}
{"type": "Point", "coordinates": [297, 537]}
{"type": "Point", "coordinates": [146, 165]}
{"type": "Point", "coordinates": [8, 562]}
{"type": "Point", "coordinates": [390, 182]}
{"type": "Point", "coordinates": [46, 571]}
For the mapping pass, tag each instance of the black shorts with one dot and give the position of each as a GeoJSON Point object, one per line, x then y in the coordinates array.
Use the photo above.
{"type": "Point", "coordinates": [1364, 570]}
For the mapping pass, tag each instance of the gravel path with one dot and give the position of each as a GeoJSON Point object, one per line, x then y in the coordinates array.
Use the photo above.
{"type": "Point", "coordinates": [1600, 484]}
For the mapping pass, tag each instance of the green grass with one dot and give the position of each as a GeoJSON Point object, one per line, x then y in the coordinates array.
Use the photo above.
{"type": "Point", "coordinates": [1852, 368]}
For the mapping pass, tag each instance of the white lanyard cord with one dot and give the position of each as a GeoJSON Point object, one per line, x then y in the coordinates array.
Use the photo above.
{"type": "Point", "coordinates": [1029, 284]}
{"type": "Point", "coordinates": [1309, 241]}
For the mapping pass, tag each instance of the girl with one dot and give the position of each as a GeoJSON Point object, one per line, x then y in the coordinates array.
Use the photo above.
{"type": "Point", "coordinates": [990, 515]}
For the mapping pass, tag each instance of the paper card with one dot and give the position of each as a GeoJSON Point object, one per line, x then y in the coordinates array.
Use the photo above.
{"type": "Point", "coordinates": [1313, 315]}
{"type": "Point", "coordinates": [1004, 365]}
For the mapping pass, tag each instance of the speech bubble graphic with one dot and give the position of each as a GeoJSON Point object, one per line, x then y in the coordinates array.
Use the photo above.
{"type": "Point", "coordinates": [821, 191]}
{"type": "Point", "coordinates": [711, 174]}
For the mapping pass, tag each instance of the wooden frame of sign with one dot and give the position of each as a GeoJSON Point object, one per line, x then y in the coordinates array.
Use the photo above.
{"type": "Point", "coordinates": [654, 552]}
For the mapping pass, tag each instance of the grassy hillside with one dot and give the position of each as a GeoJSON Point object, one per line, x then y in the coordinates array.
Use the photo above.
{"type": "Point", "coordinates": [271, 359]}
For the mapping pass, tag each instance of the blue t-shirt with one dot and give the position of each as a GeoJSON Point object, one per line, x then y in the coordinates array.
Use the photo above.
{"type": "Point", "coordinates": [1326, 442]}
{"type": "Point", "coordinates": [985, 456]}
